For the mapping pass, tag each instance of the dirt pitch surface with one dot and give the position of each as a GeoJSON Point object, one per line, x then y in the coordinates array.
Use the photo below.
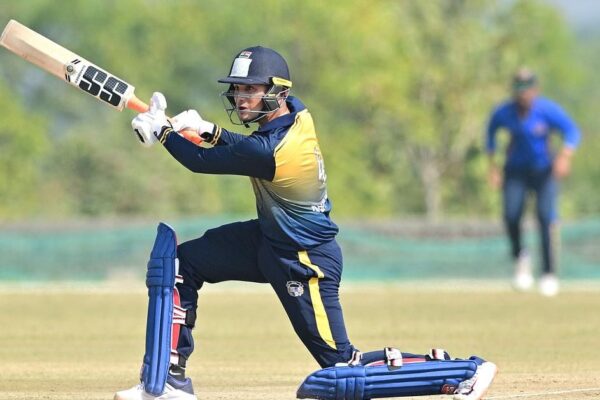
{"type": "Point", "coordinates": [70, 342]}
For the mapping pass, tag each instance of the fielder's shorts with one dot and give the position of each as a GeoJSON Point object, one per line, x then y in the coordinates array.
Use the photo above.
{"type": "Point", "coordinates": [306, 283]}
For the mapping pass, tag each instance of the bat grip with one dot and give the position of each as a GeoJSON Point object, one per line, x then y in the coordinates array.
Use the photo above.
{"type": "Point", "coordinates": [134, 103]}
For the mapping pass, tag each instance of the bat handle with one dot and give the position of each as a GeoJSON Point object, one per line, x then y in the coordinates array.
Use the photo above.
{"type": "Point", "coordinates": [134, 103]}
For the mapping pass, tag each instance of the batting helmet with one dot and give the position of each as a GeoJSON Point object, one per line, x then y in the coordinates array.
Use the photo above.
{"type": "Point", "coordinates": [258, 66]}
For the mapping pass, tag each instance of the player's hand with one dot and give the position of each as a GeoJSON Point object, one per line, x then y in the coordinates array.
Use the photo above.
{"type": "Point", "coordinates": [494, 177]}
{"type": "Point", "coordinates": [562, 164]}
{"type": "Point", "coordinates": [153, 125]}
{"type": "Point", "coordinates": [191, 120]}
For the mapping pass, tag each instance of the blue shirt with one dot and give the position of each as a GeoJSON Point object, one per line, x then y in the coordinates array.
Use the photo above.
{"type": "Point", "coordinates": [529, 146]}
{"type": "Point", "coordinates": [284, 163]}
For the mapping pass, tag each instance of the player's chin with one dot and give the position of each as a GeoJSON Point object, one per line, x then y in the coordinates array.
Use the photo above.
{"type": "Point", "coordinates": [246, 116]}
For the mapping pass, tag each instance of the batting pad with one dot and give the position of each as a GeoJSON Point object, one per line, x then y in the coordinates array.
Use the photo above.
{"type": "Point", "coordinates": [362, 383]}
{"type": "Point", "coordinates": [160, 280]}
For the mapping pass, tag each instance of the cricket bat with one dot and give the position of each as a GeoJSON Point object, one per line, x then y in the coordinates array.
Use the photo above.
{"type": "Point", "coordinates": [75, 70]}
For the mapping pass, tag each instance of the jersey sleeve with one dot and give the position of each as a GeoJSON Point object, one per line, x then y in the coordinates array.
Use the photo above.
{"type": "Point", "coordinates": [492, 128]}
{"type": "Point", "coordinates": [561, 121]}
{"type": "Point", "coordinates": [248, 156]}
{"type": "Point", "coordinates": [222, 137]}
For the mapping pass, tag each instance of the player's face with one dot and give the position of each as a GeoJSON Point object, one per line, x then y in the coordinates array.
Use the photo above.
{"type": "Point", "coordinates": [525, 97]}
{"type": "Point", "coordinates": [248, 100]}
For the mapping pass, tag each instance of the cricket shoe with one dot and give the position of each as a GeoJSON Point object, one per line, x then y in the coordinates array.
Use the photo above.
{"type": "Point", "coordinates": [549, 285]}
{"type": "Point", "coordinates": [475, 388]}
{"type": "Point", "coordinates": [174, 390]}
{"type": "Point", "coordinates": [523, 278]}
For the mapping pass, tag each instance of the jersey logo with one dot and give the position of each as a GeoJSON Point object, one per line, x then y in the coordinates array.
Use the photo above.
{"type": "Point", "coordinates": [240, 67]}
{"type": "Point", "coordinates": [295, 288]}
{"type": "Point", "coordinates": [539, 129]}
{"type": "Point", "coordinates": [320, 165]}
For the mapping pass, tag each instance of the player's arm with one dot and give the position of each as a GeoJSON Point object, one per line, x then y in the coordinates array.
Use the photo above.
{"type": "Point", "coordinates": [209, 132]}
{"type": "Point", "coordinates": [226, 138]}
{"type": "Point", "coordinates": [494, 174]}
{"type": "Point", "coordinates": [563, 123]}
{"type": "Point", "coordinates": [248, 156]}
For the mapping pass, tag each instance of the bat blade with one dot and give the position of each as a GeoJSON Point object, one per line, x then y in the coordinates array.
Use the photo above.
{"type": "Point", "coordinates": [75, 70]}
{"type": "Point", "coordinates": [66, 65]}
{"type": "Point", "coordinates": [36, 48]}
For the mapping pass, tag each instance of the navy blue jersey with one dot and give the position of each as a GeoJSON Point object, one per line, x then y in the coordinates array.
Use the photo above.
{"type": "Point", "coordinates": [529, 147]}
{"type": "Point", "coordinates": [284, 163]}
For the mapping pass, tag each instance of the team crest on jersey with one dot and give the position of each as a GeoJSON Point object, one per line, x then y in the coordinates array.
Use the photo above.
{"type": "Point", "coordinates": [540, 128]}
{"type": "Point", "coordinates": [295, 288]}
{"type": "Point", "coordinates": [245, 54]}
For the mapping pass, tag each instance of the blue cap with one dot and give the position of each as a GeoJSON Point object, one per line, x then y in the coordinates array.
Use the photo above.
{"type": "Point", "coordinates": [524, 79]}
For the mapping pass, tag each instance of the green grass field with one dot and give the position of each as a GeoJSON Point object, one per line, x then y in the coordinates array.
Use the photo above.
{"type": "Point", "coordinates": [86, 344]}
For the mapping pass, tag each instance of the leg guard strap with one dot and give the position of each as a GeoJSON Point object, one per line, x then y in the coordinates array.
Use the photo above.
{"type": "Point", "coordinates": [362, 383]}
{"type": "Point", "coordinates": [165, 314]}
{"type": "Point", "coordinates": [180, 316]}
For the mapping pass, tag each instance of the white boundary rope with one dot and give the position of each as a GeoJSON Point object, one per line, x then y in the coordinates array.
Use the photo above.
{"type": "Point", "coordinates": [515, 396]}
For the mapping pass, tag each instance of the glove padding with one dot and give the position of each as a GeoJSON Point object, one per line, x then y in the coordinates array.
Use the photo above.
{"type": "Point", "coordinates": [191, 120]}
{"type": "Point", "coordinates": [153, 125]}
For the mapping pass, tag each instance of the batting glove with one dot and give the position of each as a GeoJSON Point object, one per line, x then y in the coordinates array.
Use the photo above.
{"type": "Point", "coordinates": [153, 125]}
{"type": "Point", "coordinates": [191, 120]}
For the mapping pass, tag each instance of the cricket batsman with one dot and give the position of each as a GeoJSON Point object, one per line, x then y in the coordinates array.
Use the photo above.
{"type": "Point", "coordinates": [291, 246]}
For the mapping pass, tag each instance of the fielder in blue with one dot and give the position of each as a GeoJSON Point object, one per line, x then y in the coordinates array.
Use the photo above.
{"type": "Point", "coordinates": [291, 246]}
{"type": "Point", "coordinates": [531, 166]}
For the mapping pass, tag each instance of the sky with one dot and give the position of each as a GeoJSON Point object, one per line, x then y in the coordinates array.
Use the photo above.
{"type": "Point", "coordinates": [582, 15]}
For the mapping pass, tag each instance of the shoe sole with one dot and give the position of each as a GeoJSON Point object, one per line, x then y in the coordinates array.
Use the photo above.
{"type": "Point", "coordinates": [176, 395]}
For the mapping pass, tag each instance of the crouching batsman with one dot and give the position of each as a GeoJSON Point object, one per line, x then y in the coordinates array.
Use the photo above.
{"type": "Point", "coordinates": [291, 246]}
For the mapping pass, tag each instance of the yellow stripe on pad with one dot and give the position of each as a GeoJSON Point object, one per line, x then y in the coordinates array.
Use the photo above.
{"type": "Point", "coordinates": [315, 297]}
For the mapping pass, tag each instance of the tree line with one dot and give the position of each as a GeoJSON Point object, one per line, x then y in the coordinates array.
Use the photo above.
{"type": "Point", "coordinates": [400, 92]}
